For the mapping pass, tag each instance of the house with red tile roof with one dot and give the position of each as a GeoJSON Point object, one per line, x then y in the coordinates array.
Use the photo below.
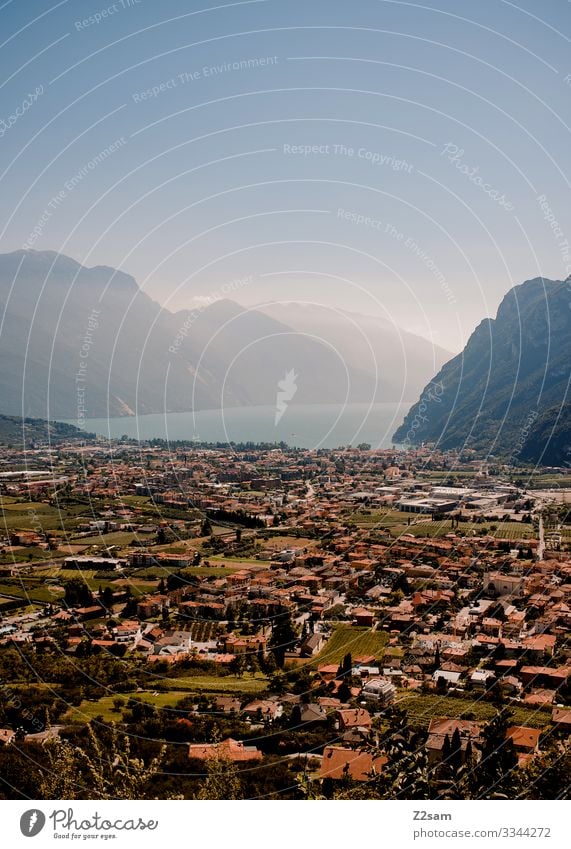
{"type": "Point", "coordinates": [339, 762]}
{"type": "Point", "coordinates": [350, 718]}
{"type": "Point", "coordinates": [440, 729]}
{"type": "Point", "coordinates": [229, 749]}
{"type": "Point", "coordinates": [525, 741]}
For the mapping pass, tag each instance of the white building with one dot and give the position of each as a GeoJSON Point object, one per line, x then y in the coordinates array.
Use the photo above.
{"type": "Point", "coordinates": [379, 690]}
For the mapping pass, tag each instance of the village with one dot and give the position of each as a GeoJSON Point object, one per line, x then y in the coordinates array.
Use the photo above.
{"type": "Point", "coordinates": [264, 604]}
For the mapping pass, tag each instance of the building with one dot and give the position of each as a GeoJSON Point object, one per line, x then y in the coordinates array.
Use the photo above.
{"type": "Point", "coordinates": [229, 749]}
{"type": "Point", "coordinates": [504, 585]}
{"type": "Point", "coordinates": [440, 729]}
{"type": "Point", "coordinates": [426, 505]}
{"type": "Point", "coordinates": [379, 690]}
{"type": "Point", "coordinates": [103, 564]}
{"type": "Point", "coordinates": [354, 718]}
{"type": "Point", "coordinates": [525, 741]}
{"type": "Point", "coordinates": [339, 762]}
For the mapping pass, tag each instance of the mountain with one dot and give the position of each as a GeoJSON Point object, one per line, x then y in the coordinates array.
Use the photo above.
{"type": "Point", "coordinates": [78, 342]}
{"type": "Point", "coordinates": [16, 431]}
{"type": "Point", "coordinates": [507, 392]}
{"type": "Point", "coordinates": [397, 362]}
{"type": "Point", "coordinates": [74, 337]}
{"type": "Point", "coordinates": [549, 438]}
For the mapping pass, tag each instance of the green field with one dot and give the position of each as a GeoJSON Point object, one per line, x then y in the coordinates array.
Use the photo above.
{"type": "Point", "coordinates": [159, 572]}
{"type": "Point", "coordinates": [136, 587]}
{"type": "Point", "coordinates": [30, 515]}
{"type": "Point", "coordinates": [33, 591]}
{"type": "Point", "coordinates": [211, 571]}
{"type": "Point", "coordinates": [29, 554]}
{"type": "Point", "coordinates": [503, 530]}
{"type": "Point", "coordinates": [118, 538]}
{"type": "Point", "coordinates": [396, 524]}
{"type": "Point", "coordinates": [88, 576]}
{"type": "Point", "coordinates": [252, 685]}
{"type": "Point", "coordinates": [422, 708]}
{"type": "Point", "coordinates": [88, 710]}
{"type": "Point", "coordinates": [546, 481]}
{"type": "Point", "coordinates": [136, 501]}
{"type": "Point", "coordinates": [181, 687]}
{"type": "Point", "coordinates": [35, 587]}
{"type": "Point", "coordinates": [447, 473]}
{"type": "Point", "coordinates": [358, 641]}
{"type": "Point", "coordinates": [383, 518]}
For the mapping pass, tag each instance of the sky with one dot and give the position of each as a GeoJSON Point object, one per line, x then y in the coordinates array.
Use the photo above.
{"type": "Point", "coordinates": [407, 160]}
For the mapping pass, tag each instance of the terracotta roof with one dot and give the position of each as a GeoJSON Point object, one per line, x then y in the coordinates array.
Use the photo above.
{"type": "Point", "coordinates": [354, 717]}
{"type": "Point", "coordinates": [339, 762]}
{"type": "Point", "coordinates": [523, 736]}
{"type": "Point", "coordinates": [328, 669]}
{"type": "Point", "coordinates": [229, 749]}
{"type": "Point", "coordinates": [561, 715]}
{"type": "Point", "coordinates": [440, 728]}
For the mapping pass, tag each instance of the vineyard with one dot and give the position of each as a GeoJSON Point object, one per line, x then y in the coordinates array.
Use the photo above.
{"type": "Point", "coordinates": [422, 708]}
{"type": "Point", "coordinates": [358, 641]}
{"type": "Point", "coordinates": [397, 523]}
{"type": "Point", "coordinates": [204, 632]}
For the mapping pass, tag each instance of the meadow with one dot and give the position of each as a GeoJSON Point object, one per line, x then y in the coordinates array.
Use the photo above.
{"type": "Point", "coordinates": [360, 642]}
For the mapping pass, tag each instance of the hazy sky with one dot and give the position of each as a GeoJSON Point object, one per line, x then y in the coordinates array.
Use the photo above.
{"type": "Point", "coordinates": [405, 159]}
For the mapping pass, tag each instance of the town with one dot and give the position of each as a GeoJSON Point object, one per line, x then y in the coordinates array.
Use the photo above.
{"type": "Point", "coordinates": [270, 622]}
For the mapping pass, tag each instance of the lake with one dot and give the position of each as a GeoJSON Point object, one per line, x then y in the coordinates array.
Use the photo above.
{"type": "Point", "coordinates": [303, 425]}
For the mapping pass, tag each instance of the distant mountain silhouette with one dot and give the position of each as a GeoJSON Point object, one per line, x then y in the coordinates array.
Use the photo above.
{"type": "Point", "coordinates": [23, 433]}
{"type": "Point", "coordinates": [88, 342]}
{"type": "Point", "coordinates": [399, 361]}
{"type": "Point", "coordinates": [507, 392]}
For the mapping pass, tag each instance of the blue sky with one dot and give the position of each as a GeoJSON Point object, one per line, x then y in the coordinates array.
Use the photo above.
{"type": "Point", "coordinates": [403, 159]}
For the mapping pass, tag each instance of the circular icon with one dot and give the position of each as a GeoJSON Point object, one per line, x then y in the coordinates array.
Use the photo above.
{"type": "Point", "coordinates": [32, 822]}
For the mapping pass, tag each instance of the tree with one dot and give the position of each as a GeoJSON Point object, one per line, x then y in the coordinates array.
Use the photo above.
{"type": "Point", "coordinates": [494, 775]}
{"type": "Point", "coordinates": [283, 637]}
{"type": "Point", "coordinates": [269, 665]}
{"type": "Point", "coordinates": [237, 665]}
{"type": "Point", "coordinates": [77, 593]}
{"type": "Point", "coordinates": [441, 684]}
{"type": "Point", "coordinates": [346, 667]}
{"type": "Point", "coordinates": [103, 769]}
{"type": "Point", "coordinates": [108, 598]}
{"type": "Point", "coordinates": [499, 651]}
{"type": "Point", "coordinates": [222, 781]}
{"type": "Point", "coordinates": [548, 776]}
{"type": "Point", "coordinates": [451, 779]}
{"type": "Point", "coordinates": [456, 750]}
{"type": "Point", "coordinates": [446, 750]}
{"type": "Point", "coordinates": [406, 775]}
{"type": "Point", "coordinates": [61, 779]}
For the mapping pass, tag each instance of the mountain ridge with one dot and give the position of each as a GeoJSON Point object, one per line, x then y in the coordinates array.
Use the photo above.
{"type": "Point", "coordinates": [80, 342]}
{"type": "Point", "coordinates": [493, 396]}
